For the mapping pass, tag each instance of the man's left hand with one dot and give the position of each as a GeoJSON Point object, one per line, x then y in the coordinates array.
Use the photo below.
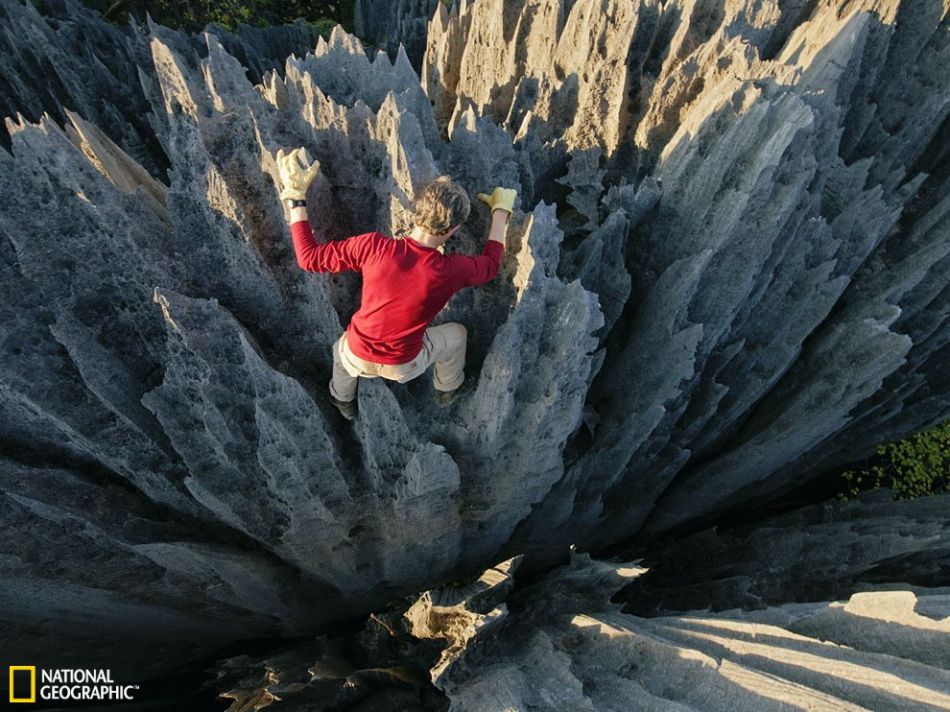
{"type": "Point", "coordinates": [500, 199]}
{"type": "Point", "coordinates": [296, 173]}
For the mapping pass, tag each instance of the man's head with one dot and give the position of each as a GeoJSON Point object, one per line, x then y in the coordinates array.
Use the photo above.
{"type": "Point", "coordinates": [441, 206]}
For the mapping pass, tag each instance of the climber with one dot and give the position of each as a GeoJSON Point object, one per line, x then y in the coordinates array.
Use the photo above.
{"type": "Point", "coordinates": [406, 282]}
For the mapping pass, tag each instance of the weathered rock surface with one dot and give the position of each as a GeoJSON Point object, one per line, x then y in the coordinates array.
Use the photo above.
{"type": "Point", "coordinates": [570, 648]}
{"type": "Point", "coordinates": [68, 59]}
{"type": "Point", "coordinates": [803, 212]}
{"type": "Point", "coordinates": [389, 24]}
{"type": "Point", "coordinates": [560, 643]}
{"type": "Point", "coordinates": [728, 272]}
{"type": "Point", "coordinates": [821, 552]}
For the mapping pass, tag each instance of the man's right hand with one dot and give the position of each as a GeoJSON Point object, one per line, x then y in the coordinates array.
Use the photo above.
{"type": "Point", "coordinates": [500, 199]}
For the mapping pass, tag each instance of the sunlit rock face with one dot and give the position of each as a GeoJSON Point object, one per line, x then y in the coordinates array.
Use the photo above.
{"type": "Point", "coordinates": [727, 273]}
{"type": "Point", "coordinates": [574, 639]}
{"type": "Point", "coordinates": [804, 212]}
{"type": "Point", "coordinates": [569, 647]}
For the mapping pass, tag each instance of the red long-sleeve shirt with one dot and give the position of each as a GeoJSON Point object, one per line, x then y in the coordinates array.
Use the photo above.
{"type": "Point", "coordinates": [405, 285]}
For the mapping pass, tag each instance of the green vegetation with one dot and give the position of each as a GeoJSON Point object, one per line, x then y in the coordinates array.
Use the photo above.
{"type": "Point", "coordinates": [917, 466]}
{"type": "Point", "coordinates": [193, 15]}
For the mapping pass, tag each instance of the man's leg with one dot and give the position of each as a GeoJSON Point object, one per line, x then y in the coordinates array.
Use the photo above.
{"type": "Point", "coordinates": [448, 343]}
{"type": "Point", "coordinates": [343, 384]}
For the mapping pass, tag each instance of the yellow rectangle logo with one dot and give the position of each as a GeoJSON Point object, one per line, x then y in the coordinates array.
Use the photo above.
{"type": "Point", "coordinates": [32, 670]}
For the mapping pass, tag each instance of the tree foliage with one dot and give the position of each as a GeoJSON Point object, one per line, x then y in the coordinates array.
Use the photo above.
{"type": "Point", "coordinates": [914, 467]}
{"type": "Point", "coordinates": [193, 15]}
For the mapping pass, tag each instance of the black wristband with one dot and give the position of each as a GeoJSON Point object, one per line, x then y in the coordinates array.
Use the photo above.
{"type": "Point", "coordinates": [297, 203]}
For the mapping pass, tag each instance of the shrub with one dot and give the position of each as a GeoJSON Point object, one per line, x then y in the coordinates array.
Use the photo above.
{"type": "Point", "coordinates": [914, 467]}
{"type": "Point", "coordinates": [193, 15]}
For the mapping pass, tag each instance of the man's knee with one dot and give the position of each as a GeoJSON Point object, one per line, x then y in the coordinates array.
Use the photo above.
{"type": "Point", "coordinates": [456, 334]}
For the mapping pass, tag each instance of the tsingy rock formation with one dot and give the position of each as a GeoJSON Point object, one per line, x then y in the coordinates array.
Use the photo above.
{"type": "Point", "coordinates": [390, 24]}
{"type": "Point", "coordinates": [566, 642]}
{"type": "Point", "coordinates": [570, 648]}
{"type": "Point", "coordinates": [728, 271]}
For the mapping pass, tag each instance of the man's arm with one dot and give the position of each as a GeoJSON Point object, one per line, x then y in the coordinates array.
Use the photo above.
{"type": "Point", "coordinates": [297, 214]}
{"type": "Point", "coordinates": [499, 224]}
{"type": "Point", "coordinates": [296, 174]}
{"type": "Point", "coordinates": [336, 256]}
{"type": "Point", "coordinates": [484, 267]}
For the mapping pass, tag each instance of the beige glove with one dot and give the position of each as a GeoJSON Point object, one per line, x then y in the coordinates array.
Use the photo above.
{"type": "Point", "coordinates": [296, 173]}
{"type": "Point", "coordinates": [500, 199]}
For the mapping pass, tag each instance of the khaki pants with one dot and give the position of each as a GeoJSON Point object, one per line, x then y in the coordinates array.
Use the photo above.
{"type": "Point", "coordinates": [442, 345]}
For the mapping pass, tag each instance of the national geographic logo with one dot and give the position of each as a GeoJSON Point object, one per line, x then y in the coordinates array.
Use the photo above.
{"type": "Point", "coordinates": [73, 684]}
{"type": "Point", "coordinates": [22, 683]}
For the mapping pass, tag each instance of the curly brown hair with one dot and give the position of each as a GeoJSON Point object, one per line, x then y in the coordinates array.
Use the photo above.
{"type": "Point", "coordinates": [441, 206]}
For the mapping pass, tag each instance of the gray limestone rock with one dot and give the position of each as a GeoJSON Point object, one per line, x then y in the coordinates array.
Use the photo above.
{"type": "Point", "coordinates": [389, 25]}
{"type": "Point", "coordinates": [728, 272]}
{"type": "Point", "coordinates": [817, 553]}
{"type": "Point", "coordinates": [107, 564]}
{"type": "Point", "coordinates": [560, 643]}
{"type": "Point", "coordinates": [568, 647]}
{"type": "Point", "coordinates": [67, 58]}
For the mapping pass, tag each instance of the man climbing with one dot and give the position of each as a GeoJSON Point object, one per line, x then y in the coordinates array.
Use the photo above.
{"type": "Point", "coordinates": [406, 282]}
